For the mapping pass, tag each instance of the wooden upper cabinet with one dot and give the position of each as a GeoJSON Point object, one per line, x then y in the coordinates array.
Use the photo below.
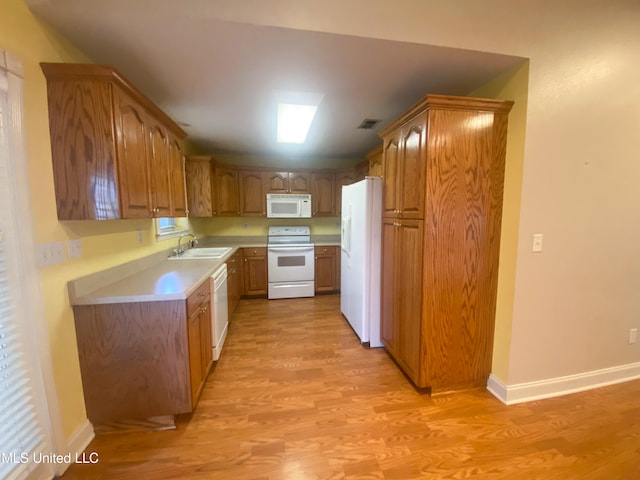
{"type": "Point", "coordinates": [343, 177]}
{"type": "Point", "coordinates": [106, 142]}
{"type": "Point", "coordinates": [253, 200]}
{"type": "Point", "coordinates": [413, 167]}
{"type": "Point", "coordinates": [227, 191]}
{"type": "Point", "coordinates": [177, 178]}
{"type": "Point", "coordinates": [287, 182]}
{"type": "Point", "coordinates": [159, 171]}
{"type": "Point", "coordinates": [323, 195]}
{"type": "Point", "coordinates": [299, 182]}
{"type": "Point", "coordinates": [405, 164]}
{"type": "Point", "coordinates": [390, 159]}
{"type": "Point", "coordinates": [276, 182]}
{"type": "Point", "coordinates": [200, 175]}
{"type": "Point", "coordinates": [131, 149]}
{"type": "Point", "coordinates": [374, 158]}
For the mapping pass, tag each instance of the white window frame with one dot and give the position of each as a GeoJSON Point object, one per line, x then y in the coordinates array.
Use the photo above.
{"type": "Point", "coordinates": [168, 227]}
{"type": "Point", "coordinates": [34, 337]}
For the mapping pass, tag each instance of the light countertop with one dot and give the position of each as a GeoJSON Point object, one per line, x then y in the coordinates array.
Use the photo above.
{"type": "Point", "coordinates": [155, 278]}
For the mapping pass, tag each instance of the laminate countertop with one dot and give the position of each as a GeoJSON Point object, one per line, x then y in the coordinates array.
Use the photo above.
{"type": "Point", "coordinates": [156, 278]}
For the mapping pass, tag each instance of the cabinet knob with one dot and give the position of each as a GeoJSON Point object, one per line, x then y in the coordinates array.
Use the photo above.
{"type": "Point", "coordinates": [245, 259]}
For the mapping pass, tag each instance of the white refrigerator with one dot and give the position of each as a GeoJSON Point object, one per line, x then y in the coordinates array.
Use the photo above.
{"type": "Point", "coordinates": [360, 256]}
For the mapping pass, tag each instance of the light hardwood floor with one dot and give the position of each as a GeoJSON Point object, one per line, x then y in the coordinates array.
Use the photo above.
{"type": "Point", "coordinates": [296, 397]}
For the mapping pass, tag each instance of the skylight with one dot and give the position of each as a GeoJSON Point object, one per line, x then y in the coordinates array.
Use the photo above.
{"type": "Point", "coordinates": [294, 121]}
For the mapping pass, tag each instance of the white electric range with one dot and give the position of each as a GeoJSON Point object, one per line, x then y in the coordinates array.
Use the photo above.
{"type": "Point", "coordinates": [290, 260]}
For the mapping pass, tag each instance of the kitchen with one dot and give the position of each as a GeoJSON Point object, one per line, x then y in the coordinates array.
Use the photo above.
{"type": "Point", "coordinates": [104, 244]}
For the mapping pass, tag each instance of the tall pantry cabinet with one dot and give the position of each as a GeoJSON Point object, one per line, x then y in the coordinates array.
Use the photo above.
{"type": "Point", "coordinates": [443, 185]}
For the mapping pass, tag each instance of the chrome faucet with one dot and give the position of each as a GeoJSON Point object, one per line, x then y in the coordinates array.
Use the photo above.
{"type": "Point", "coordinates": [192, 243]}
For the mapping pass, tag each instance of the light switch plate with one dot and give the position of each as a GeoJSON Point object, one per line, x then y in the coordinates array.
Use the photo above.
{"type": "Point", "coordinates": [537, 243]}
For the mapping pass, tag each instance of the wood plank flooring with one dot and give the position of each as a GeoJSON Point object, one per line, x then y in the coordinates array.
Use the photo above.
{"type": "Point", "coordinates": [296, 397]}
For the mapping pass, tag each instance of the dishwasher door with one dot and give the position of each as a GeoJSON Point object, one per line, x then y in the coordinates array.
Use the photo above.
{"type": "Point", "coordinates": [219, 311]}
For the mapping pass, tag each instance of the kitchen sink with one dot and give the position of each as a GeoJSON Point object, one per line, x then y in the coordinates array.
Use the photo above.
{"type": "Point", "coordinates": [205, 252]}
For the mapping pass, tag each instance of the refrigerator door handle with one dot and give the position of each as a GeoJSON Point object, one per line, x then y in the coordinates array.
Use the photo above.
{"type": "Point", "coordinates": [346, 235]}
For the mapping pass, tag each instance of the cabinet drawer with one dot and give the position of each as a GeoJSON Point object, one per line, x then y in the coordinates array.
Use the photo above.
{"type": "Point", "coordinates": [254, 252]}
{"type": "Point", "coordinates": [326, 250]}
{"type": "Point", "coordinates": [196, 298]}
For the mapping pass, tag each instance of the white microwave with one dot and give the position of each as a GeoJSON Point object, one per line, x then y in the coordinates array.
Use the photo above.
{"type": "Point", "coordinates": [288, 205]}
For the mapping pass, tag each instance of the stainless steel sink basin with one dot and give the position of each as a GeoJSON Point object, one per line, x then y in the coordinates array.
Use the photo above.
{"type": "Point", "coordinates": [206, 252]}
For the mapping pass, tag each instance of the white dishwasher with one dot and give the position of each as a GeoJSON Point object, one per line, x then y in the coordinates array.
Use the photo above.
{"type": "Point", "coordinates": [219, 311]}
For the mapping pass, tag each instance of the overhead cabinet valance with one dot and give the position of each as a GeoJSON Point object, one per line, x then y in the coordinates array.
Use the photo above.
{"type": "Point", "coordinates": [115, 153]}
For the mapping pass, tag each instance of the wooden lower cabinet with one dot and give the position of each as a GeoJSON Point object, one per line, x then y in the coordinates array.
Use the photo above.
{"type": "Point", "coordinates": [327, 269]}
{"type": "Point", "coordinates": [200, 341]}
{"type": "Point", "coordinates": [401, 326]}
{"type": "Point", "coordinates": [144, 359]}
{"type": "Point", "coordinates": [255, 272]}
{"type": "Point", "coordinates": [234, 282]}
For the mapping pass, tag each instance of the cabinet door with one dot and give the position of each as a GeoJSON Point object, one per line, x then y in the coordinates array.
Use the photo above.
{"type": "Point", "coordinates": [159, 170]}
{"type": "Point", "coordinates": [408, 295]}
{"type": "Point", "coordinates": [390, 158]}
{"type": "Point", "coordinates": [252, 196]}
{"type": "Point", "coordinates": [206, 342]}
{"type": "Point", "coordinates": [323, 195]}
{"type": "Point", "coordinates": [299, 182]}
{"type": "Point", "coordinates": [326, 270]}
{"type": "Point", "coordinates": [200, 184]}
{"type": "Point", "coordinates": [131, 147]}
{"type": "Point", "coordinates": [195, 355]}
{"type": "Point", "coordinates": [227, 190]}
{"type": "Point", "coordinates": [343, 177]}
{"type": "Point", "coordinates": [388, 288]}
{"type": "Point", "coordinates": [412, 171]}
{"type": "Point", "coordinates": [375, 164]}
{"type": "Point", "coordinates": [177, 177]}
{"type": "Point", "coordinates": [255, 271]}
{"type": "Point", "coordinates": [277, 182]}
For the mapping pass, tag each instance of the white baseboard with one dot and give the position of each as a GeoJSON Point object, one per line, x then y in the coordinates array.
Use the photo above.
{"type": "Point", "coordinates": [555, 387]}
{"type": "Point", "coordinates": [77, 444]}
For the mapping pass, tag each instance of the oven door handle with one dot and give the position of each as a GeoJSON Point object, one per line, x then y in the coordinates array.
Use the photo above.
{"type": "Point", "coordinates": [290, 249]}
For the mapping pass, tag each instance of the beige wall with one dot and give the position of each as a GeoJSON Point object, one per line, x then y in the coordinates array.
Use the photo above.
{"type": "Point", "coordinates": [573, 304]}
{"type": "Point", "coordinates": [510, 86]}
{"type": "Point", "coordinates": [104, 243]}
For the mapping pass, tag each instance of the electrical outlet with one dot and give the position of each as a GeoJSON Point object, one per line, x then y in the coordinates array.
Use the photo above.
{"type": "Point", "coordinates": [140, 238]}
{"type": "Point", "coordinates": [633, 336]}
{"type": "Point", "coordinates": [74, 248]}
{"type": "Point", "coordinates": [245, 225]}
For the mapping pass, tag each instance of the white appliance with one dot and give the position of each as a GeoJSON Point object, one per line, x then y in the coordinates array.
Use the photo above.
{"type": "Point", "coordinates": [361, 257]}
{"type": "Point", "coordinates": [219, 310]}
{"type": "Point", "coordinates": [288, 205]}
{"type": "Point", "coordinates": [290, 262]}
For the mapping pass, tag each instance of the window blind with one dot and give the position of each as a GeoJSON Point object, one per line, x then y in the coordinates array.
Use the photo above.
{"type": "Point", "coordinates": [24, 430]}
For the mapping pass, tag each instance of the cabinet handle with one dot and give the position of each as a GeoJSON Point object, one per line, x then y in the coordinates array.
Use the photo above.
{"type": "Point", "coordinates": [245, 259]}
{"type": "Point", "coordinates": [316, 258]}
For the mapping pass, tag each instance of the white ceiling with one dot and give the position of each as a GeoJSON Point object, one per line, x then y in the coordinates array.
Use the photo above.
{"type": "Point", "coordinates": [220, 79]}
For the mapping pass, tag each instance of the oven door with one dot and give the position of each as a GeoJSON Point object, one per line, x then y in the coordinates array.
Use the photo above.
{"type": "Point", "coordinates": [290, 263]}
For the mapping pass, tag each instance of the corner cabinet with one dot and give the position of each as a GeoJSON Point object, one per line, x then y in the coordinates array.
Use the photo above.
{"type": "Point", "coordinates": [144, 359]}
{"type": "Point", "coordinates": [115, 154]}
{"type": "Point", "coordinates": [443, 164]}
